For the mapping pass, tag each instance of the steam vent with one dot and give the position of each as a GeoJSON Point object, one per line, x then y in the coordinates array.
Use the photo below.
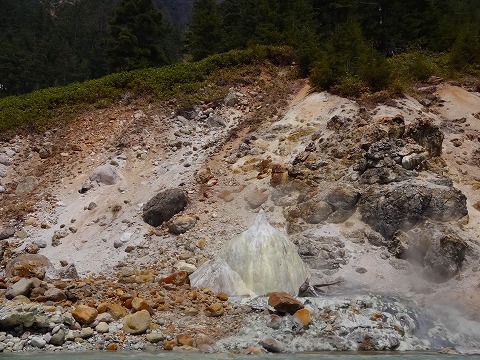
{"type": "Point", "coordinates": [258, 261]}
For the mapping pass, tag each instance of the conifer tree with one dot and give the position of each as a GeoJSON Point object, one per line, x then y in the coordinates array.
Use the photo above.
{"type": "Point", "coordinates": [136, 29]}
{"type": "Point", "coordinates": [205, 30]}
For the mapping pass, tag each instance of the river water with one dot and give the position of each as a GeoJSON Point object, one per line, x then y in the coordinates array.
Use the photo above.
{"type": "Point", "coordinates": [200, 356]}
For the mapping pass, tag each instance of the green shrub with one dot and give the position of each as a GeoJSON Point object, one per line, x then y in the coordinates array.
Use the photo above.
{"type": "Point", "coordinates": [376, 72]}
{"type": "Point", "coordinates": [350, 86]}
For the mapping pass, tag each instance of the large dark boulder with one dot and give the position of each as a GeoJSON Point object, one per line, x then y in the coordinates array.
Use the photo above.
{"type": "Point", "coordinates": [401, 206]}
{"type": "Point", "coordinates": [163, 206]}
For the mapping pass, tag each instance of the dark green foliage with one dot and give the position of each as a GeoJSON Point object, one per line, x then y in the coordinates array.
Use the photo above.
{"type": "Point", "coordinates": [466, 49]}
{"type": "Point", "coordinates": [350, 62]}
{"type": "Point", "coordinates": [205, 33]}
{"type": "Point", "coordinates": [135, 33]}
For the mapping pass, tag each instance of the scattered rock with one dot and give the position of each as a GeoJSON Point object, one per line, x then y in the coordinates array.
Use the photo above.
{"type": "Point", "coordinates": [216, 309]}
{"type": "Point", "coordinates": [154, 337]}
{"type": "Point", "coordinates": [58, 338]}
{"type": "Point", "coordinates": [54, 294]}
{"type": "Point", "coordinates": [231, 99]}
{"type": "Point", "coordinates": [38, 342]}
{"type": "Point", "coordinates": [7, 232]}
{"type": "Point", "coordinates": [272, 345]}
{"type": "Point", "coordinates": [314, 212]}
{"type": "Point", "coordinates": [102, 327]}
{"type": "Point", "coordinates": [170, 344]}
{"type": "Point", "coordinates": [184, 340]}
{"type": "Point", "coordinates": [203, 175]}
{"type": "Point", "coordinates": [137, 323]}
{"type": "Point", "coordinates": [178, 278]}
{"type": "Point", "coordinates": [256, 198]}
{"type": "Point", "coordinates": [139, 304]}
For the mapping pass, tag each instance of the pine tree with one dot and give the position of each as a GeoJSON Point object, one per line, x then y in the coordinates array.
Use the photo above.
{"type": "Point", "coordinates": [301, 33]}
{"type": "Point", "coordinates": [205, 30]}
{"type": "Point", "coordinates": [136, 29]}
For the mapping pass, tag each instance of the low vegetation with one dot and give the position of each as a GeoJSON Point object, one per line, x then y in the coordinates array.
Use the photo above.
{"type": "Point", "coordinates": [48, 107]}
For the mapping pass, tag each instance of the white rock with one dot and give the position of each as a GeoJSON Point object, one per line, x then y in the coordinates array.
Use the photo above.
{"type": "Point", "coordinates": [38, 342]}
{"type": "Point", "coordinates": [184, 266]}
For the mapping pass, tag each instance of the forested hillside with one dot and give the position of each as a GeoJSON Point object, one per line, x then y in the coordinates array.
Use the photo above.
{"type": "Point", "coordinates": [51, 42]}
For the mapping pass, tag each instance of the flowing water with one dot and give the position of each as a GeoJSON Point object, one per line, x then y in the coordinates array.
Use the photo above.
{"type": "Point", "coordinates": [199, 356]}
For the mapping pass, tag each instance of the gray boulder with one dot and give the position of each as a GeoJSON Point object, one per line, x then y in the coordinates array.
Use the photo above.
{"type": "Point", "coordinates": [401, 206]}
{"type": "Point", "coordinates": [6, 232]}
{"type": "Point", "coordinates": [163, 206]}
{"type": "Point", "coordinates": [21, 287]}
{"type": "Point", "coordinates": [106, 174]}
{"type": "Point", "coordinates": [27, 185]}
{"type": "Point", "coordinates": [58, 338]}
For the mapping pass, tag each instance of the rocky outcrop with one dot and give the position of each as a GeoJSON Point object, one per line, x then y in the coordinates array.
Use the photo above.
{"type": "Point", "coordinates": [428, 135]}
{"type": "Point", "coordinates": [163, 206]}
{"type": "Point", "coordinates": [435, 247]}
{"type": "Point", "coordinates": [400, 206]}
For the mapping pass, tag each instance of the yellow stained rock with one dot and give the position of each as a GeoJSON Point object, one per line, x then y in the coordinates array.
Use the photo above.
{"type": "Point", "coordinates": [222, 296]}
{"type": "Point", "coordinates": [141, 304]}
{"type": "Point", "coordinates": [169, 344]}
{"type": "Point", "coordinates": [184, 339]}
{"type": "Point", "coordinates": [137, 323]}
{"type": "Point", "coordinates": [84, 314]}
{"type": "Point", "coordinates": [303, 316]}
{"type": "Point", "coordinates": [116, 310]}
{"type": "Point", "coordinates": [215, 309]}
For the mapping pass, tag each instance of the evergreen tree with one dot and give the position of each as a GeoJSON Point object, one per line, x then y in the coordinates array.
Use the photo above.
{"type": "Point", "coordinates": [301, 33]}
{"type": "Point", "coordinates": [205, 31]}
{"type": "Point", "coordinates": [136, 29]}
{"type": "Point", "coordinates": [239, 21]}
{"type": "Point", "coordinates": [466, 49]}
